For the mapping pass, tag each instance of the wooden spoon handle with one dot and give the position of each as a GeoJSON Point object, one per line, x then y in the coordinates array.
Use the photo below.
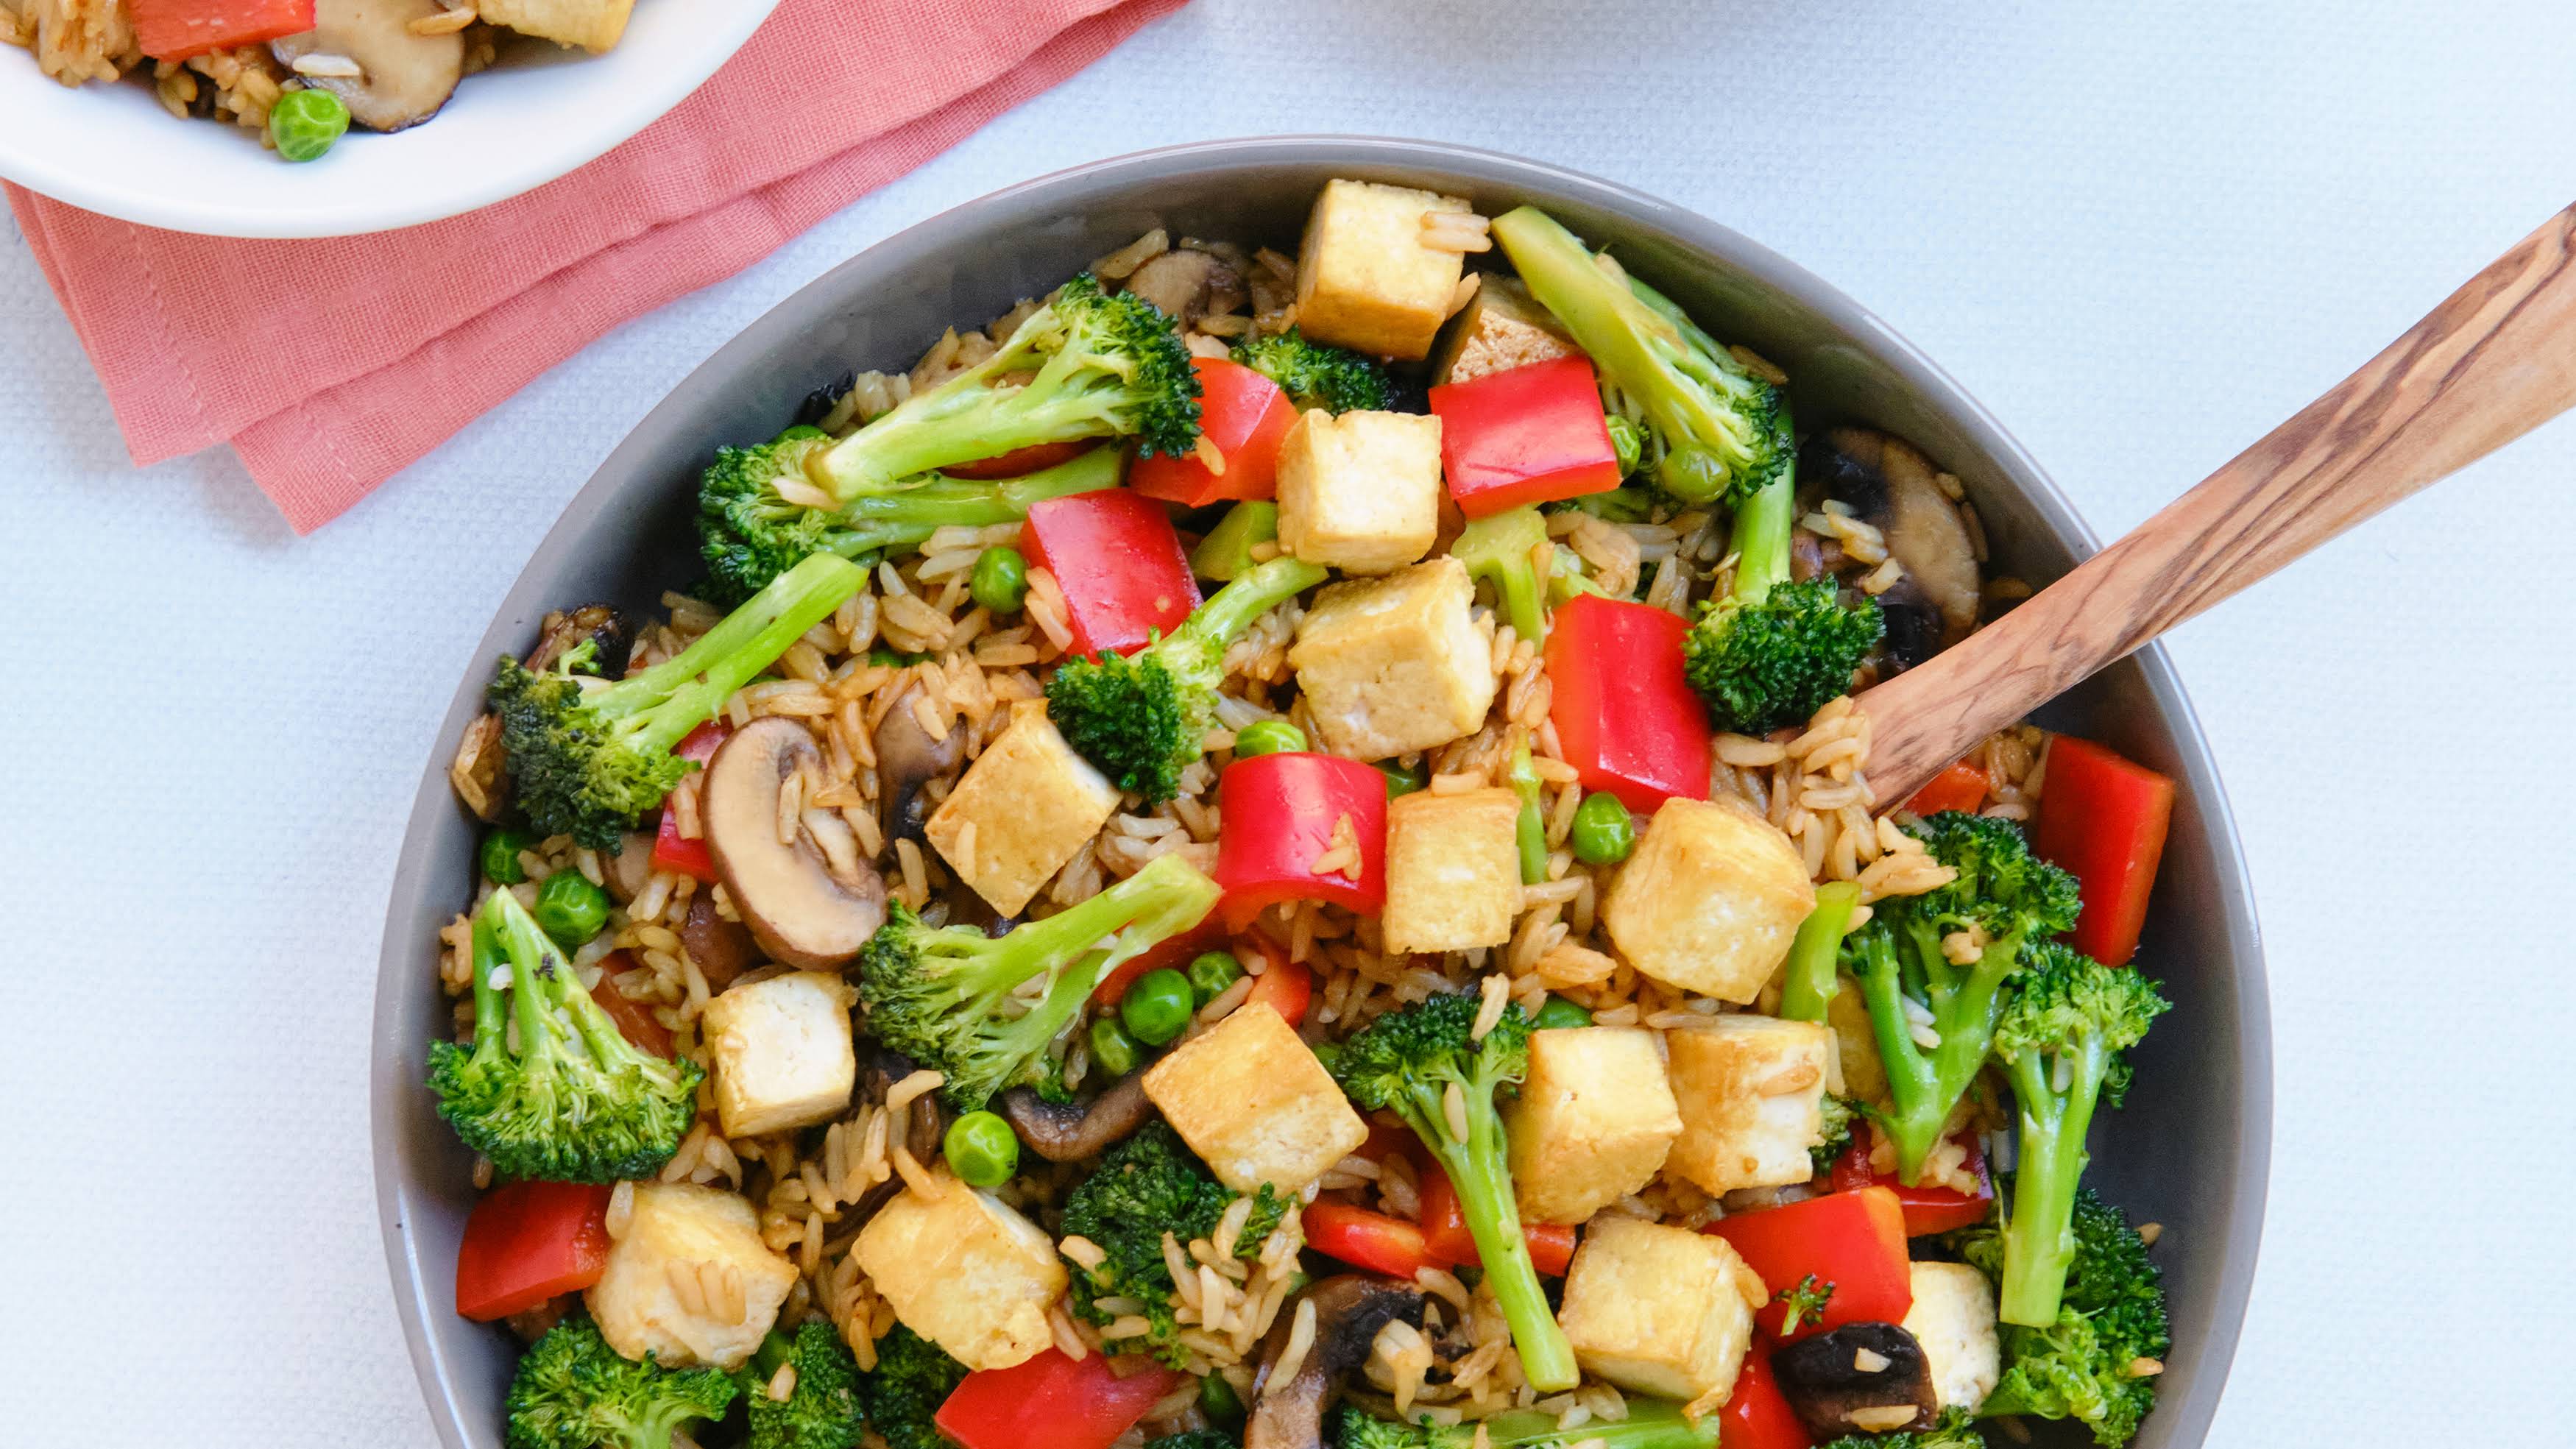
{"type": "Point", "coordinates": [2491, 363]}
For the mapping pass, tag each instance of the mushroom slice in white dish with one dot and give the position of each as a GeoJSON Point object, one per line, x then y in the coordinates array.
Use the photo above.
{"type": "Point", "coordinates": [402, 77]}
{"type": "Point", "coordinates": [809, 903]}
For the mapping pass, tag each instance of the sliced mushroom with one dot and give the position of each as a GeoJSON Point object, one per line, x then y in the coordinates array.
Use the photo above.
{"type": "Point", "coordinates": [1072, 1131]}
{"type": "Point", "coordinates": [1864, 1378]}
{"type": "Point", "coordinates": [924, 1124]}
{"type": "Point", "coordinates": [1891, 486]}
{"type": "Point", "coordinates": [475, 773]}
{"type": "Point", "coordinates": [631, 868]}
{"type": "Point", "coordinates": [1350, 1308]}
{"type": "Point", "coordinates": [907, 759]}
{"type": "Point", "coordinates": [1188, 284]}
{"type": "Point", "coordinates": [723, 949]}
{"type": "Point", "coordinates": [403, 76]}
{"type": "Point", "coordinates": [809, 899]}
{"type": "Point", "coordinates": [596, 624]}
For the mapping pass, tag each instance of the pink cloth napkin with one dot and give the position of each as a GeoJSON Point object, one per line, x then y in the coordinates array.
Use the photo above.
{"type": "Point", "coordinates": [205, 340]}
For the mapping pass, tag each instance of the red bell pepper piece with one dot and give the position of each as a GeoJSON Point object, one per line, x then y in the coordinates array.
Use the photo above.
{"type": "Point", "coordinates": [1757, 1415]}
{"type": "Point", "coordinates": [1532, 434]}
{"type": "Point", "coordinates": [178, 29]}
{"type": "Point", "coordinates": [1365, 1239]}
{"type": "Point", "coordinates": [527, 1242]}
{"type": "Point", "coordinates": [1626, 717]}
{"type": "Point", "coordinates": [2104, 818]}
{"type": "Point", "coordinates": [1051, 1402]}
{"type": "Point", "coordinates": [1853, 1240]}
{"type": "Point", "coordinates": [1119, 563]}
{"type": "Point", "coordinates": [1927, 1209]}
{"type": "Point", "coordinates": [1245, 416]}
{"type": "Point", "coordinates": [1960, 787]}
{"type": "Point", "coordinates": [1020, 462]}
{"type": "Point", "coordinates": [1285, 986]}
{"type": "Point", "coordinates": [1446, 1238]}
{"type": "Point", "coordinates": [1278, 813]}
{"type": "Point", "coordinates": [672, 852]}
{"type": "Point", "coordinates": [635, 1021]}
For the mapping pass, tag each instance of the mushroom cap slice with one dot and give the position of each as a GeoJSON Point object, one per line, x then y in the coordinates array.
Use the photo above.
{"type": "Point", "coordinates": [403, 78]}
{"type": "Point", "coordinates": [810, 902]}
{"type": "Point", "coordinates": [1073, 1131]}
{"type": "Point", "coordinates": [1861, 1378]}
{"type": "Point", "coordinates": [1350, 1308]}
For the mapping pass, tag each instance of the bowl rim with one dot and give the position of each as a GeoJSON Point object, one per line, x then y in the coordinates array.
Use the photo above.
{"type": "Point", "coordinates": [394, 1095]}
{"type": "Point", "coordinates": [647, 98]}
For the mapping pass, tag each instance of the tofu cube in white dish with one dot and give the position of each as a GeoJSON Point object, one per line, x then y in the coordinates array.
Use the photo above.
{"type": "Point", "coordinates": [1453, 870]}
{"type": "Point", "coordinates": [1395, 664]}
{"type": "Point", "coordinates": [1251, 1100]}
{"type": "Point", "coordinates": [1366, 279]}
{"type": "Point", "coordinates": [1360, 492]}
{"type": "Point", "coordinates": [1953, 1317]}
{"type": "Point", "coordinates": [965, 1271]}
{"type": "Point", "coordinates": [783, 1052]}
{"type": "Point", "coordinates": [1710, 900]}
{"type": "Point", "coordinates": [689, 1281]}
{"type": "Point", "coordinates": [1020, 812]}
{"type": "Point", "coordinates": [1660, 1310]}
{"type": "Point", "coordinates": [1593, 1121]}
{"type": "Point", "coordinates": [1751, 1090]}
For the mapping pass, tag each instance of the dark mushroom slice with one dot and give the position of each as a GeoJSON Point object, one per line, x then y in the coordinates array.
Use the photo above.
{"type": "Point", "coordinates": [810, 900]}
{"type": "Point", "coordinates": [1188, 284]}
{"type": "Point", "coordinates": [925, 1123]}
{"type": "Point", "coordinates": [1861, 1378]}
{"type": "Point", "coordinates": [626, 873]}
{"type": "Point", "coordinates": [908, 759]}
{"type": "Point", "coordinates": [1072, 1131]}
{"type": "Point", "coordinates": [1350, 1309]}
{"type": "Point", "coordinates": [475, 773]}
{"type": "Point", "coordinates": [723, 949]}
{"type": "Point", "coordinates": [402, 78]}
{"type": "Point", "coordinates": [597, 624]}
{"type": "Point", "coordinates": [1892, 487]}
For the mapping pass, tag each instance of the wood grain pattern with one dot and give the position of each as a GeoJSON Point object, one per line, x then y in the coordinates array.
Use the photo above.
{"type": "Point", "coordinates": [2491, 363]}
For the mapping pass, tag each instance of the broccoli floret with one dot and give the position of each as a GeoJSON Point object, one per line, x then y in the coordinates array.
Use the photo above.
{"type": "Point", "coordinates": [587, 757]}
{"type": "Point", "coordinates": [572, 1391]}
{"type": "Point", "coordinates": [1196, 1439]}
{"type": "Point", "coordinates": [1772, 652]}
{"type": "Point", "coordinates": [1502, 549]}
{"type": "Point", "coordinates": [1712, 429]}
{"type": "Point", "coordinates": [1140, 717]}
{"type": "Point", "coordinates": [2085, 1364]}
{"type": "Point", "coordinates": [902, 1394]}
{"type": "Point", "coordinates": [1951, 1431]}
{"type": "Point", "coordinates": [2063, 1040]}
{"type": "Point", "coordinates": [1314, 375]}
{"type": "Point", "coordinates": [1410, 1060]}
{"type": "Point", "coordinates": [1650, 1424]}
{"type": "Point", "coordinates": [822, 1410]}
{"type": "Point", "coordinates": [750, 533]}
{"type": "Point", "coordinates": [554, 1108]}
{"type": "Point", "coordinates": [941, 995]}
{"type": "Point", "coordinates": [1146, 1186]}
{"type": "Point", "coordinates": [1842, 1117]}
{"type": "Point", "coordinates": [1803, 1300]}
{"type": "Point", "coordinates": [1627, 442]}
{"type": "Point", "coordinates": [2003, 899]}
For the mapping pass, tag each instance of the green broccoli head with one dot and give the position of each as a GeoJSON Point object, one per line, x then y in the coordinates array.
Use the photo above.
{"type": "Point", "coordinates": [2065, 1003]}
{"type": "Point", "coordinates": [1841, 1119]}
{"type": "Point", "coordinates": [1314, 375]}
{"type": "Point", "coordinates": [2086, 1363]}
{"type": "Point", "coordinates": [572, 1391]}
{"type": "Point", "coordinates": [2003, 889]}
{"type": "Point", "coordinates": [751, 532]}
{"type": "Point", "coordinates": [1951, 1431]}
{"type": "Point", "coordinates": [822, 1410]}
{"type": "Point", "coordinates": [1764, 665]}
{"type": "Point", "coordinates": [1197, 1439]}
{"type": "Point", "coordinates": [1407, 1059]}
{"type": "Point", "coordinates": [573, 1101]}
{"type": "Point", "coordinates": [1144, 1187]}
{"type": "Point", "coordinates": [902, 1394]}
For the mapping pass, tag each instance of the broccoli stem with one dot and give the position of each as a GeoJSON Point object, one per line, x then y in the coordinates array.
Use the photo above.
{"type": "Point", "coordinates": [879, 521]}
{"type": "Point", "coordinates": [1501, 549]}
{"type": "Point", "coordinates": [2039, 1237]}
{"type": "Point", "coordinates": [673, 697]}
{"type": "Point", "coordinates": [546, 983]}
{"type": "Point", "coordinates": [1481, 1172]}
{"type": "Point", "coordinates": [1815, 956]}
{"type": "Point", "coordinates": [1762, 535]}
{"type": "Point", "coordinates": [1650, 1424]}
{"type": "Point", "coordinates": [1926, 1086]}
{"type": "Point", "coordinates": [1255, 592]}
{"type": "Point", "coordinates": [1529, 831]}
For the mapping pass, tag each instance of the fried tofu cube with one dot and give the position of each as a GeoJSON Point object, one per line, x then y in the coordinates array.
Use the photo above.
{"type": "Point", "coordinates": [1251, 1100]}
{"type": "Point", "coordinates": [1500, 328]}
{"type": "Point", "coordinates": [689, 1282]}
{"type": "Point", "coordinates": [1710, 900]}
{"type": "Point", "coordinates": [1360, 492]}
{"type": "Point", "coordinates": [782, 1050]}
{"type": "Point", "coordinates": [1021, 811]}
{"type": "Point", "coordinates": [1366, 279]}
{"type": "Point", "coordinates": [1593, 1121]}
{"type": "Point", "coordinates": [1752, 1091]}
{"type": "Point", "coordinates": [965, 1271]}
{"type": "Point", "coordinates": [594, 25]}
{"type": "Point", "coordinates": [1660, 1310]}
{"type": "Point", "coordinates": [1953, 1317]}
{"type": "Point", "coordinates": [1453, 870]}
{"type": "Point", "coordinates": [1396, 664]}
{"type": "Point", "coordinates": [1864, 1074]}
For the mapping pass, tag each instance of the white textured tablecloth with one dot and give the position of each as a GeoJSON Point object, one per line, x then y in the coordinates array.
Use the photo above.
{"type": "Point", "coordinates": [2142, 233]}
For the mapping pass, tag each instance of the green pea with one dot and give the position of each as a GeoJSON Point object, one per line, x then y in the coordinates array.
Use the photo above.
{"type": "Point", "coordinates": [1212, 973]}
{"type": "Point", "coordinates": [1112, 1049]}
{"type": "Point", "coordinates": [982, 1150]}
{"type": "Point", "coordinates": [800, 433]}
{"type": "Point", "coordinates": [1402, 779]}
{"type": "Point", "coordinates": [1560, 1012]}
{"type": "Point", "coordinates": [1218, 1400]}
{"type": "Point", "coordinates": [1001, 581]}
{"type": "Point", "coordinates": [304, 123]}
{"type": "Point", "coordinates": [1268, 737]}
{"type": "Point", "coordinates": [499, 856]}
{"type": "Point", "coordinates": [1603, 834]}
{"type": "Point", "coordinates": [570, 909]}
{"type": "Point", "coordinates": [1157, 1007]}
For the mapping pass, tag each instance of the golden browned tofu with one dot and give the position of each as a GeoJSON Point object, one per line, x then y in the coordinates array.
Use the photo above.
{"type": "Point", "coordinates": [1751, 1090]}
{"type": "Point", "coordinates": [1660, 1310]}
{"type": "Point", "coordinates": [1251, 1100]}
{"type": "Point", "coordinates": [689, 1282]}
{"type": "Point", "coordinates": [1365, 280]}
{"type": "Point", "coordinates": [1500, 328]}
{"type": "Point", "coordinates": [1953, 1317]}
{"type": "Point", "coordinates": [1360, 492]}
{"type": "Point", "coordinates": [1864, 1075]}
{"type": "Point", "coordinates": [1453, 870]}
{"type": "Point", "coordinates": [782, 1050]}
{"type": "Point", "coordinates": [1710, 900]}
{"type": "Point", "coordinates": [1021, 811]}
{"type": "Point", "coordinates": [964, 1271]}
{"type": "Point", "coordinates": [1396, 664]}
{"type": "Point", "coordinates": [1593, 1121]}
{"type": "Point", "coordinates": [594, 25]}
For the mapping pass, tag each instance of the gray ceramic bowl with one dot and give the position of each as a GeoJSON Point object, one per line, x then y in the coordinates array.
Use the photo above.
{"type": "Point", "coordinates": [2191, 1152]}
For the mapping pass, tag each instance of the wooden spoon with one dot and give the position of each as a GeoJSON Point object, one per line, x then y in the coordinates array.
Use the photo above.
{"type": "Point", "coordinates": [2491, 363]}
